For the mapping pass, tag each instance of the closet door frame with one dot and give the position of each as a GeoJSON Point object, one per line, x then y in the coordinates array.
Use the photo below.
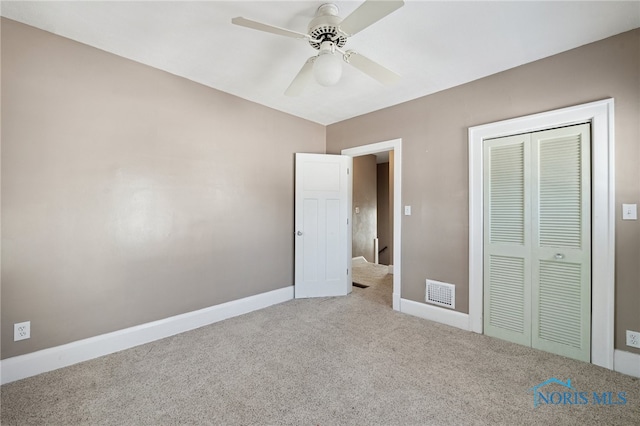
{"type": "Point", "coordinates": [601, 116]}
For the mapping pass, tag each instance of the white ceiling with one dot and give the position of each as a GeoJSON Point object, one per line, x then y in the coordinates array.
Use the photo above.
{"type": "Point", "coordinates": [432, 45]}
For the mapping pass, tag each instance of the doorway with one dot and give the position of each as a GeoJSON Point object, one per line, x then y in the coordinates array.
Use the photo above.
{"type": "Point", "coordinates": [379, 148]}
{"type": "Point", "coordinates": [372, 200]}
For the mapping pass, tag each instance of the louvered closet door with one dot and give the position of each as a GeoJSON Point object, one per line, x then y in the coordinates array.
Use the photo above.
{"type": "Point", "coordinates": [562, 241]}
{"type": "Point", "coordinates": [537, 240]}
{"type": "Point", "coordinates": [507, 242]}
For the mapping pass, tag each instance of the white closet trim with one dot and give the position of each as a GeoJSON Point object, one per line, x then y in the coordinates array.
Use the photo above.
{"type": "Point", "coordinates": [601, 116]}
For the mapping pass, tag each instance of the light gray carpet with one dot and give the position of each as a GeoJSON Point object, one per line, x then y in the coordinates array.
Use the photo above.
{"type": "Point", "coordinates": [369, 274]}
{"type": "Point", "coordinates": [332, 361]}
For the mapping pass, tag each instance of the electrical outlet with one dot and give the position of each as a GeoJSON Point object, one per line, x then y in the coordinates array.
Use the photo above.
{"type": "Point", "coordinates": [21, 331]}
{"type": "Point", "coordinates": [633, 339]}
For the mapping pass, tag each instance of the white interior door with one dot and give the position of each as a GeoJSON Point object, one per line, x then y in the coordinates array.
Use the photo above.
{"type": "Point", "coordinates": [322, 225]}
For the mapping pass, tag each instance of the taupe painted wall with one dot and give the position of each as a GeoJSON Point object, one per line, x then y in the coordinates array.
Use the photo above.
{"type": "Point", "coordinates": [131, 195]}
{"type": "Point", "coordinates": [384, 224]}
{"type": "Point", "coordinates": [435, 158]}
{"type": "Point", "coordinates": [365, 199]}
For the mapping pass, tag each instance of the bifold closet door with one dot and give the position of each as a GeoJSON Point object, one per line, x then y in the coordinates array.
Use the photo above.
{"type": "Point", "coordinates": [537, 257]}
{"type": "Point", "coordinates": [507, 239]}
{"type": "Point", "coordinates": [561, 223]}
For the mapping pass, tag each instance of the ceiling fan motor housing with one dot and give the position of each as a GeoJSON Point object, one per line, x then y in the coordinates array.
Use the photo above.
{"type": "Point", "coordinates": [324, 27]}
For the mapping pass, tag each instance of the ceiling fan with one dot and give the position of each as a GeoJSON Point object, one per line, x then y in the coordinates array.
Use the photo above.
{"type": "Point", "coordinates": [328, 34]}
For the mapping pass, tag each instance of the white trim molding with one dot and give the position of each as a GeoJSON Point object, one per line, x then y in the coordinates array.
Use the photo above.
{"type": "Point", "coordinates": [601, 116]}
{"type": "Point", "coordinates": [394, 145]}
{"type": "Point", "coordinates": [23, 366]}
{"type": "Point", "coordinates": [437, 314]}
{"type": "Point", "coordinates": [626, 363]}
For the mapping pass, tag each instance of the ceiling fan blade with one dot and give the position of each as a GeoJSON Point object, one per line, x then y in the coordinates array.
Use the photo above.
{"type": "Point", "coordinates": [371, 68]}
{"type": "Point", "coordinates": [302, 79]}
{"type": "Point", "coordinates": [244, 22]}
{"type": "Point", "coordinates": [369, 12]}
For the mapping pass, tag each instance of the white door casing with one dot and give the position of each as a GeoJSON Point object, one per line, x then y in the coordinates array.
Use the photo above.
{"type": "Point", "coordinates": [601, 116]}
{"type": "Point", "coordinates": [322, 225]}
{"type": "Point", "coordinates": [394, 145]}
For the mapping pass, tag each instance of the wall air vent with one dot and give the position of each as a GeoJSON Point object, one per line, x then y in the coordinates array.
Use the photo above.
{"type": "Point", "coordinates": [441, 294]}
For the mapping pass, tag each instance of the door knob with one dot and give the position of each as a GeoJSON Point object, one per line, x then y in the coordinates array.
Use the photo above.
{"type": "Point", "coordinates": [559, 256]}
{"type": "Point", "coordinates": [299, 233]}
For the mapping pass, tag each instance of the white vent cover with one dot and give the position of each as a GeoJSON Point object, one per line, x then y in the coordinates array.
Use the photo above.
{"type": "Point", "coordinates": [441, 294]}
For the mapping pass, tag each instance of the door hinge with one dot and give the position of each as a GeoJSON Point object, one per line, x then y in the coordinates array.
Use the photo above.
{"type": "Point", "coordinates": [347, 221]}
{"type": "Point", "coordinates": [347, 271]}
{"type": "Point", "coordinates": [347, 170]}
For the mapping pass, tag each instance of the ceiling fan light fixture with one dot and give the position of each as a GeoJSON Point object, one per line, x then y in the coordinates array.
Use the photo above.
{"type": "Point", "coordinates": [328, 34]}
{"type": "Point", "coordinates": [327, 68]}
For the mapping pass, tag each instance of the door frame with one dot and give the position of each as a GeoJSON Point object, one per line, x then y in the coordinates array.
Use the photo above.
{"type": "Point", "coordinates": [601, 116]}
{"type": "Point", "coordinates": [394, 145]}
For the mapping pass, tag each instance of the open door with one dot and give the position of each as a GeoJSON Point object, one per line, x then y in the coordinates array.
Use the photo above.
{"type": "Point", "coordinates": [322, 225]}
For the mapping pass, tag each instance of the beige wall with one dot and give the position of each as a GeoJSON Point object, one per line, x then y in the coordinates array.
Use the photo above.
{"type": "Point", "coordinates": [131, 195]}
{"type": "Point", "coordinates": [435, 158]}
{"type": "Point", "coordinates": [366, 201]}
{"type": "Point", "coordinates": [384, 224]}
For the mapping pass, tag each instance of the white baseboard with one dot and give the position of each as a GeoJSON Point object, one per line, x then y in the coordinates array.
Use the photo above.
{"type": "Point", "coordinates": [626, 363]}
{"type": "Point", "coordinates": [22, 366]}
{"type": "Point", "coordinates": [434, 313]}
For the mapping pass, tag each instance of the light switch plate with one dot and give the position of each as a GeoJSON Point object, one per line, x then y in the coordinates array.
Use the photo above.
{"type": "Point", "coordinates": [629, 212]}
{"type": "Point", "coordinates": [407, 210]}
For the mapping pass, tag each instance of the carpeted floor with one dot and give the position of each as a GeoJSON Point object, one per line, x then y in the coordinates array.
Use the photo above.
{"type": "Point", "coordinates": [332, 361]}
{"type": "Point", "coordinates": [370, 274]}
